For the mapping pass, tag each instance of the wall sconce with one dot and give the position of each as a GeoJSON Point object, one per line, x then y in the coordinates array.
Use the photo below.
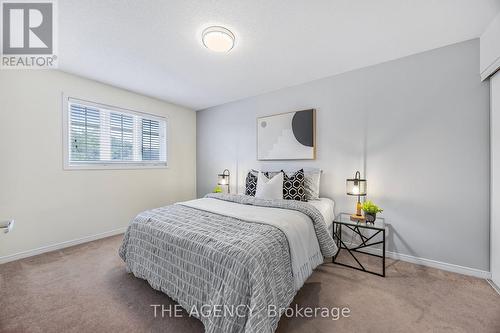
{"type": "Point", "coordinates": [223, 179]}
{"type": "Point", "coordinates": [356, 187]}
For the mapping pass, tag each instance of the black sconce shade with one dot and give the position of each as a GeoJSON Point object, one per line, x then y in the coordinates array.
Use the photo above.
{"type": "Point", "coordinates": [223, 179]}
{"type": "Point", "coordinates": [356, 186]}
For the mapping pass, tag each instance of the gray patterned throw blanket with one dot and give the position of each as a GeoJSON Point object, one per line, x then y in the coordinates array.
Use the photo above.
{"type": "Point", "coordinates": [229, 273]}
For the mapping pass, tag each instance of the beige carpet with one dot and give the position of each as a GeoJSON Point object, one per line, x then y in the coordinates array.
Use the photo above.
{"type": "Point", "coordinates": [86, 289]}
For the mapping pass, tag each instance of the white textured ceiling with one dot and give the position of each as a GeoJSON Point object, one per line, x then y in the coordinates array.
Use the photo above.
{"type": "Point", "coordinates": [154, 47]}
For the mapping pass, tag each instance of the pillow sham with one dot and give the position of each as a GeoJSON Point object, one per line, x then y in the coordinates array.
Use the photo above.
{"type": "Point", "coordinates": [269, 188]}
{"type": "Point", "coordinates": [293, 186]}
{"type": "Point", "coordinates": [251, 182]}
{"type": "Point", "coordinates": [311, 184]}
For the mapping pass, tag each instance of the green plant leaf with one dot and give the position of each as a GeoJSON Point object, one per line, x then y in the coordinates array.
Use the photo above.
{"type": "Point", "coordinates": [370, 208]}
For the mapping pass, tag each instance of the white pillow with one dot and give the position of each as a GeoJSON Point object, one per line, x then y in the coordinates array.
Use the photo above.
{"type": "Point", "coordinates": [311, 184]}
{"type": "Point", "coordinates": [269, 188]}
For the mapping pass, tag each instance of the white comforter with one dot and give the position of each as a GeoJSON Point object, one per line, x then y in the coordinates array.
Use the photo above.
{"type": "Point", "coordinates": [297, 227]}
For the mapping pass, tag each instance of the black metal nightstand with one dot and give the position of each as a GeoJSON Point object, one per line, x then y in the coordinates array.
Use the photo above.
{"type": "Point", "coordinates": [377, 230]}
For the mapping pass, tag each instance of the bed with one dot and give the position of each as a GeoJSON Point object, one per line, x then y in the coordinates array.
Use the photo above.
{"type": "Point", "coordinates": [245, 254]}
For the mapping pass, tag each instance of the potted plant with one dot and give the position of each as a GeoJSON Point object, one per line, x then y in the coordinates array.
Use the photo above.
{"type": "Point", "coordinates": [218, 189]}
{"type": "Point", "coordinates": [371, 211]}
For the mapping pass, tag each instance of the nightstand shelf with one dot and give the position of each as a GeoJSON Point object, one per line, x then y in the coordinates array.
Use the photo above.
{"type": "Point", "coordinates": [377, 237]}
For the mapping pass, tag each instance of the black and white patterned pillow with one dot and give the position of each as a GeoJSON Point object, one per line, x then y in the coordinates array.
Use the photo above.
{"type": "Point", "coordinates": [251, 182]}
{"type": "Point", "coordinates": [293, 186]}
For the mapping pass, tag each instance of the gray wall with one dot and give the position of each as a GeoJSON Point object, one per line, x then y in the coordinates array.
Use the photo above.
{"type": "Point", "coordinates": [417, 127]}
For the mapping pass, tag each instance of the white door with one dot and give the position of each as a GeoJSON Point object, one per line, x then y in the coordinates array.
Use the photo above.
{"type": "Point", "coordinates": [495, 179]}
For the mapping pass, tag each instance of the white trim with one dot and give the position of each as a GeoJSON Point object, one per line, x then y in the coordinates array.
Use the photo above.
{"type": "Point", "coordinates": [118, 109]}
{"type": "Point", "coordinates": [440, 265]}
{"type": "Point", "coordinates": [430, 263]}
{"type": "Point", "coordinates": [493, 285]}
{"type": "Point", "coordinates": [62, 245]}
{"type": "Point", "coordinates": [491, 69]}
{"type": "Point", "coordinates": [108, 165]}
{"type": "Point", "coordinates": [114, 166]}
{"type": "Point", "coordinates": [393, 255]}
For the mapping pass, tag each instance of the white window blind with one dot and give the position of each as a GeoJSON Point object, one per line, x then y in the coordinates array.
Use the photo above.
{"type": "Point", "coordinates": [105, 136]}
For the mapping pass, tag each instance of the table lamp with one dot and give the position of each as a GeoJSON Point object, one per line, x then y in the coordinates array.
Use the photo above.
{"type": "Point", "coordinates": [224, 179]}
{"type": "Point", "coordinates": [356, 187]}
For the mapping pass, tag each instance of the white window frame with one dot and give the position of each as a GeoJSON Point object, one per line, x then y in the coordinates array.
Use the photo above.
{"type": "Point", "coordinates": [99, 165]}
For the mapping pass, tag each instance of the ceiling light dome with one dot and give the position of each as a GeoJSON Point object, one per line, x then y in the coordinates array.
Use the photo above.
{"type": "Point", "coordinates": [218, 39]}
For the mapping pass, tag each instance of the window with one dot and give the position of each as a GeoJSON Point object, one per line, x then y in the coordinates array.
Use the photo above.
{"type": "Point", "coordinates": [100, 136]}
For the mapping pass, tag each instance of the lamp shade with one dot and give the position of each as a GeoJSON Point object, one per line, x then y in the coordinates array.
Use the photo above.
{"type": "Point", "coordinates": [356, 186]}
{"type": "Point", "coordinates": [223, 179]}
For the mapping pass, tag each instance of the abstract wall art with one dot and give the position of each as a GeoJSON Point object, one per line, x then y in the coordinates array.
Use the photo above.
{"type": "Point", "coordinates": [287, 136]}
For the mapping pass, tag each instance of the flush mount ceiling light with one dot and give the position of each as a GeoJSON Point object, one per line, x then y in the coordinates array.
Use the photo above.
{"type": "Point", "coordinates": [218, 39]}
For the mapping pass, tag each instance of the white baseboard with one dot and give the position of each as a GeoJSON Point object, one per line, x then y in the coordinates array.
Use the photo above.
{"type": "Point", "coordinates": [494, 286]}
{"type": "Point", "coordinates": [430, 263]}
{"type": "Point", "coordinates": [440, 265]}
{"type": "Point", "coordinates": [393, 255]}
{"type": "Point", "coordinates": [62, 245]}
